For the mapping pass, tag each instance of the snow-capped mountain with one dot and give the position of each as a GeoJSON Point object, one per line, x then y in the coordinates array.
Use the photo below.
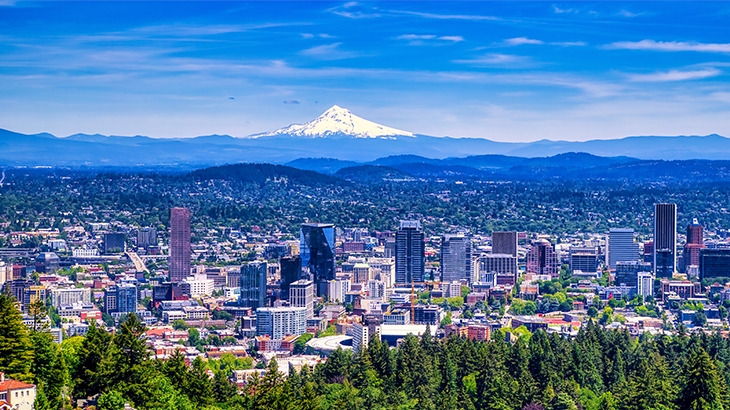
{"type": "Point", "coordinates": [337, 121]}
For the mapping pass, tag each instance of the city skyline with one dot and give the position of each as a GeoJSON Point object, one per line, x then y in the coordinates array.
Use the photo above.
{"type": "Point", "coordinates": [502, 71]}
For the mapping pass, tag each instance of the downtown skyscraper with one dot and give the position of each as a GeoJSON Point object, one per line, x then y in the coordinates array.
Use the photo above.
{"type": "Point", "coordinates": [317, 250]}
{"type": "Point", "coordinates": [179, 244]}
{"type": "Point", "coordinates": [665, 240]}
{"type": "Point", "coordinates": [455, 258]}
{"type": "Point", "coordinates": [410, 256]}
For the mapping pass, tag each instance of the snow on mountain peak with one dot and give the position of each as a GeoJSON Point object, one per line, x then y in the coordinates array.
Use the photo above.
{"type": "Point", "coordinates": [338, 121]}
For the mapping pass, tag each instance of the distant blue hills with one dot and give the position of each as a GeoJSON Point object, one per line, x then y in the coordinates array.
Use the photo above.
{"type": "Point", "coordinates": [426, 155]}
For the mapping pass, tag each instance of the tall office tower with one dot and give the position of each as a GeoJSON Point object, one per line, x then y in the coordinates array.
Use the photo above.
{"type": "Point", "coordinates": [389, 248]}
{"type": "Point", "coordinates": [146, 237]}
{"type": "Point", "coordinates": [410, 256]}
{"type": "Point", "coordinates": [504, 243]}
{"type": "Point", "coordinates": [301, 294]}
{"type": "Point", "coordinates": [114, 242]}
{"type": "Point", "coordinates": [317, 250]}
{"type": "Point", "coordinates": [583, 258]}
{"type": "Point", "coordinates": [627, 272]}
{"type": "Point", "coordinates": [621, 247]}
{"type": "Point", "coordinates": [179, 244]}
{"type": "Point", "coordinates": [455, 258]}
{"type": "Point", "coordinates": [645, 284]}
{"type": "Point", "coordinates": [376, 289]}
{"type": "Point", "coordinates": [121, 298]}
{"type": "Point", "coordinates": [290, 271]}
{"type": "Point", "coordinates": [253, 285]}
{"type": "Point", "coordinates": [665, 240]}
{"type": "Point", "coordinates": [542, 259]}
{"type": "Point", "coordinates": [695, 242]}
{"type": "Point", "coordinates": [277, 322]}
{"type": "Point", "coordinates": [498, 264]}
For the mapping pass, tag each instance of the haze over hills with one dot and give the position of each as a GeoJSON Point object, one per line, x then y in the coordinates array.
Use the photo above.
{"type": "Point", "coordinates": [337, 134]}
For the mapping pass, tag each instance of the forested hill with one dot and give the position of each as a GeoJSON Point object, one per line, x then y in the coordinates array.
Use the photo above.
{"type": "Point", "coordinates": [262, 173]}
{"type": "Point", "coordinates": [599, 369]}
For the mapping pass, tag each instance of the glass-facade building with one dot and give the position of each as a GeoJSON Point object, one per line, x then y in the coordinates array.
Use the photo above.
{"type": "Point", "coordinates": [317, 250]}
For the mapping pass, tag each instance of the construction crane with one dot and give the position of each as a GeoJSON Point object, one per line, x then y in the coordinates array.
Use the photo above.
{"type": "Point", "coordinates": [430, 283]}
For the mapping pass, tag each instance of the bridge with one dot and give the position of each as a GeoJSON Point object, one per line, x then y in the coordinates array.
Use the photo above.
{"type": "Point", "coordinates": [137, 261]}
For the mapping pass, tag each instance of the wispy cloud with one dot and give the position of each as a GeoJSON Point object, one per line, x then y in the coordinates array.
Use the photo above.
{"type": "Point", "coordinates": [429, 39]}
{"type": "Point", "coordinates": [328, 52]}
{"type": "Point", "coordinates": [437, 16]}
{"type": "Point", "coordinates": [320, 35]}
{"type": "Point", "coordinates": [518, 41]}
{"type": "Point", "coordinates": [626, 13]}
{"type": "Point", "coordinates": [558, 10]}
{"type": "Point", "coordinates": [7, 3]}
{"type": "Point", "coordinates": [670, 46]}
{"type": "Point", "coordinates": [498, 60]}
{"type": "Point", "coordinates": [350, 11]}
{"type": "Point", "coordinates": [569, 43]}
{"type": "Point", "coordinates": [675, 75]}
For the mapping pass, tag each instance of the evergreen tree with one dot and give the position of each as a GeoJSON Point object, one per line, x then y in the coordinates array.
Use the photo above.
{"type": "Point", "coordinates": [199, 387]}
{"type": "Point", "coordinates": [702, 387]}
{"type": "Point", "coordinates": [16, 349]}
{"type": "Point", "coordinates": [87, 378]}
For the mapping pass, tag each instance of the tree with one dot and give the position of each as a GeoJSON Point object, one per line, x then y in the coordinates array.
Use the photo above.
{"type": "Point", "coordinates": [179, 324]}
{"type": "Point", "coordinates": [112, 400]}
{"type": "Point", "coordinates": [702, 387]}
{"type": "Point", "coordinates": [16, 349]}
{"type": "Point", "coordinates": [700, 319]}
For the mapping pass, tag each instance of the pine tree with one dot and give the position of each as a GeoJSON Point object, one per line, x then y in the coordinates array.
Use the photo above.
{"type": "Point", "coordinates": [57, 381]}
{"type": "Point", "coordinates": [199, 388]}
{"type": "Point", "coordinates": [702, 388]}
{"type": "Point", "coordinates": [223, 389]}
{"type": "Point", "coordinates": [87, 379]}
{"type": "Point", "coordinates": [16, 349]}
{"type": "Point", "coordinates": [41, 401]}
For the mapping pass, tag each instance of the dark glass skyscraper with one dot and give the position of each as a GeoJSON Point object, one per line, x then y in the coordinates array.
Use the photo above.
{"type": "Point", "coordinates": [291, 270]}
{"type": "Point", "coordinates": [253, 285]}
{"type": "Point", "coordinates": [410, 256]}
{"type": "Point", "coordinates": [665, 240]}
{"type": "Point", "coordinates": [179, 244]}
{"type": "Point", "coordinates": [317, 250]}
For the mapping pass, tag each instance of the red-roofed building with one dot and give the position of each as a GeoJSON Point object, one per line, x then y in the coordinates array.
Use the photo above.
{"type": "Point", "coordinates": [16, 395]}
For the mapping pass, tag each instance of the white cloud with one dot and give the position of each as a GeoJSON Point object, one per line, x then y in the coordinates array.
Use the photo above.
{"type": "Point", "coordinates": [670, 46]}
{"type": "Point", "coordinates": [501, 60]}
{"type": "Point", "coordinates": [328, 52]}
{"type": "Point", "coordinates": [429, 39]}
{"type": "Point", "coordinates": [675, 75]}
{"type": "Point", "coordinates": [446, 16]}
{"type": "Point", "coordinates": [558, 10]}
{"type": "Point", "coordinates": [518, 41]}
{"type": "Point", "coordinates": [321, 35]}
{"type": "Point", "coordinates": [416, 37]}
{"type": "Point", "coordinates": [570, 43]}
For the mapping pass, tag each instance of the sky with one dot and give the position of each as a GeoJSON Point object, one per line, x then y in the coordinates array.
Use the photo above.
{"type": "Point", "coordinates": [506, 71]}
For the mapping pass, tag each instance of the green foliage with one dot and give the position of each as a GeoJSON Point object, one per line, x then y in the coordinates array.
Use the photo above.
{"type": "Point", "coordinates": [16, 349]}
{"type": "Point", "coordinates": [523, 307]}
{"type": "Point", "coordinates": [179, 324]}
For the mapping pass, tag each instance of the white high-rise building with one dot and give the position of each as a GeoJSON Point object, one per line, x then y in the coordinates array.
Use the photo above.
{"type": "Point", "coordinates": [277, 322]}
{"type": "Point", "coordinates": [621, 247]}
{"type": "Point", "coordinates": [337, 289]}
{"type": "Point", "coordinates": [453, 289]}
{"type": "Point", "coordinates": [645, 284]}
{"type": "Point", "coordinates": [376, 289]}
{"type": "Point", "coordinates": [69, 296]}
{"type": "Point", "coordinates": [200, 285]}
{"type": "Point", "coordinates": [360, 336]}
{"type": "Point", "coordinates": [301, 294]}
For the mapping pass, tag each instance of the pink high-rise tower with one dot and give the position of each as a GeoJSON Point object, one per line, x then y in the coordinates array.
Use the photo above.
{"type": "Point", "coordinates": [179, 244]}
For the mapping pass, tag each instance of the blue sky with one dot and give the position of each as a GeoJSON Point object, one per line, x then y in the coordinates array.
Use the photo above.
{"type": "Point", "coordinates": [507, 71]}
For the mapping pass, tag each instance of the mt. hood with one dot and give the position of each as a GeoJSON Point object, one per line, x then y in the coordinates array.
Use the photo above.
{"type": "Point", "coordinates": [337, 122]}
